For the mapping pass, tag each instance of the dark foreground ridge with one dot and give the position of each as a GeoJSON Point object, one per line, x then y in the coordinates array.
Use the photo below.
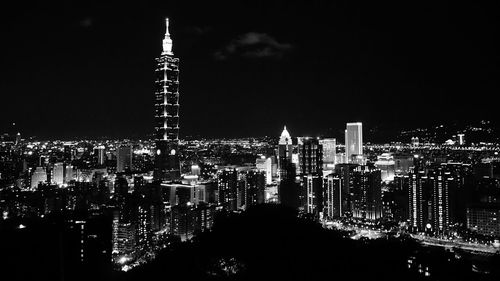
{"type": "Point", "coordinates": [272, 242]}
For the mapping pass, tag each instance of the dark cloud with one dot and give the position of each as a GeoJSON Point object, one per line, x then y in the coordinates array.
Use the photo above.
{"type": "Point", "coordinates": [86, 22]}
{"type": "Point", "coordinates": [254, 45]}
{"type": "Point", "coordinates": [198, 30]}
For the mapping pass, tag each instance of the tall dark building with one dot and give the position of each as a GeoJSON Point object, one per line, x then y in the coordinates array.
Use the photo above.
{"type": "Point", "coordinates": [448, 182]}
{"type": "Point", "coordinates": [366, 193]}
{"type": "Point", "coordinates": [346, 173]}
{"type": "Point", "coordinates": [311, 169]}
{"type": "Point", "coordinates": [310, 156]}
{"type": "Point", "coordinates": [332, 197]}
{"type": "Point", "coordinates": [227, 183]}
{"type": "Point", "coordinates": [167, 165]}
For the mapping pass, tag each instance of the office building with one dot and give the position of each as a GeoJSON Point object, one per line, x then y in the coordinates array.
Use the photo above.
{"type": "Point", "coordinates": [167, 164]}
{"type": "Point", "coordinates": [285, 151]}
{"type": "Point", "coordinates": [227, 183]}
{"type": "Point", "coordinates": [310, 156]}
{"type": "Point", "coordinates": [332, 188]}
{"type": "Point", "coordinates": [329, 153]}
{"type": "Point", "coordinates": [353, 141]}
{"type": "Point", "coordinates": [312, 185]}
{"type": "Point", "coordinates": [38, 176]}
{"type": "Point", "coordinates": [448, 182]}
{"type": "Point", "coordinates": [254, 187]}
{"type": "Point", "coordinates": [366, 193]}
{"type": "Point", "coordinates": [484, 219]}
{"type": "Point", "coordinates": [58, 173]}
{"type": "Point", "coordinates": [419, 200]}
{"type": "Point", "coordinates": [346, 173]}
{"type": "Point", "coordinates": [123, 158]}
{"type": "Point", "coordinates": [99, 155]}
{"type": "Point", "coordinates": [385, 163]}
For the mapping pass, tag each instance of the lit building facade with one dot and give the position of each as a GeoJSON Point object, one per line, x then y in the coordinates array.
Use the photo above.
{"type": "Point", "coordinates": [418, 202]}
{"type": "Point", "coordinates": [58, 173]}
{"type": "Point", "coordinates": [227, 183]}
{"type": "Point", "coordinates": [311, 170]}
{"type": "Point", "coordinates": [484, 219]}
{"type": "Point", "coordinates": [123, 158]}
{"type": "Point", "coordinates": [285, 151]}
{"type": "Point", "coordinates": [167, 165]}
{"type": "Point", "coordinates": [329, 153]}
{"type": "Point", "coordinates": [366, 193]}
{"type": "Point", "coordinates": [353, 140]}
{"type": "Point", "coordinates": [332, 186]}
{"type": "Point", "coordinates": [38, 176]}
{"type": "Point", "coordinates": [310, 156]}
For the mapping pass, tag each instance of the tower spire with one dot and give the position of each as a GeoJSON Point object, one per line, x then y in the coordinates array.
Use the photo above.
{"type": "Point", "coordinates": [167, 42]}
{"type": "Point", "coordinates": [166, 25]}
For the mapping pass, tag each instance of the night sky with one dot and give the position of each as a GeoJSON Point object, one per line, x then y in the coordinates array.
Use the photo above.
{"type": "Point", "coordinates": [87, 69]}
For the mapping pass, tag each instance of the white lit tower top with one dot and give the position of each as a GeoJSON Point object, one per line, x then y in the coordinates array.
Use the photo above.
{"type": "Point", "coordinates": [285, 137]}
{"type": "Point", "coordinates": [167, 42]}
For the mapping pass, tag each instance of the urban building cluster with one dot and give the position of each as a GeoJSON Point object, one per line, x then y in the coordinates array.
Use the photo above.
{"type": "Point", "coordinates": [126, 200]}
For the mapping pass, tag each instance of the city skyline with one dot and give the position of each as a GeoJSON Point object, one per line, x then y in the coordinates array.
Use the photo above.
{"type": "Point", "coordinates": [348, 52]}
{"type": "Point", "coordinates": [421, 206]}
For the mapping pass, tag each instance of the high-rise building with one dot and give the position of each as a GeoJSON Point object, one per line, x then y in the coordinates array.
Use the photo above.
{"type": "Point", "coordinates": [121, 187]}
{"type": "Point", "coordinates": [266, 165]}
{"type": "Point", "coordinates": [367, 193]}
{"type": "Point", "coordinates": [38, 176]}
{"type": "Point", "coordinates": [123, 236]}
{"type": "Point", "coordinates": [58, 173]}
{"type": "Point", "coordinates": [254, 185]}
{"type": "Point", "coordinates": [313, 187]}
{"type": "Point", "coordinates": [418, 200]}
{"type": "Point", "coordinates": [332, 188]}
{"type": "Point", "coordinates": [448, 182]}
{"type": "Point", "coordinates": [353, 140]}
{"type": "Point", "coordinates": [227, 183]}
{"type": "Point", "coordinates": [285, 151]}
{"type": "Point", "coordinates": [346, 174]}
{"type": "Point", "coordinates": [167, 165]}
{"type": "Point", "coordinates": [99, 155]}
{"type": "Point", "coordinates": [329, 153]}
{"type": "Point", "coordinates": [123, 158]}
{"type": "Point", "coordinates": [310, 156]}
{"type": "Point", "coordinates": [69, 173]}
{"type": "Point", "coordinates": [386, 164]}
{"type": "Point", "coordinates": [483, 219]}
{"type": "Point", "coordinates": [311, 170]}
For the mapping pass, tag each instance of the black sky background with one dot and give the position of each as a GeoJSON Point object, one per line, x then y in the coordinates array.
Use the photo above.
{"type": "Point", "coordinates": [86, 69]}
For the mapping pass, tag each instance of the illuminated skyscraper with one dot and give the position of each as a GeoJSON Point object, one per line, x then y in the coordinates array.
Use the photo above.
{"type": "Point", "coordinates": [227, 183]}
{"type": "Point", "coordinates": [58, 173]}
{"type": "Point", "coordinates": [123, 158]}
{"type": "Point", "coordinates": [311, 169]}
{"type": "Point", "coordinates": [285, 150]}
{"type": "Point", "coordinates": [448, 182]}
{"type": "Point", "coordinates": [366, 193]}
{"type": "Point", "coordinates": [310, 156]}
{"type": "Point", "coordinates": [167, 165]}
{"type": "Point", "coordinates": [332, 188]}
{"type": "Point", "coordinates": [38, 176]}
{"type": "Point", "coordinates": [99, 155]}
{"type": "Point", "coordinates": [353, 140]}
{"type": "Point", "coordinates": [329, 153]}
